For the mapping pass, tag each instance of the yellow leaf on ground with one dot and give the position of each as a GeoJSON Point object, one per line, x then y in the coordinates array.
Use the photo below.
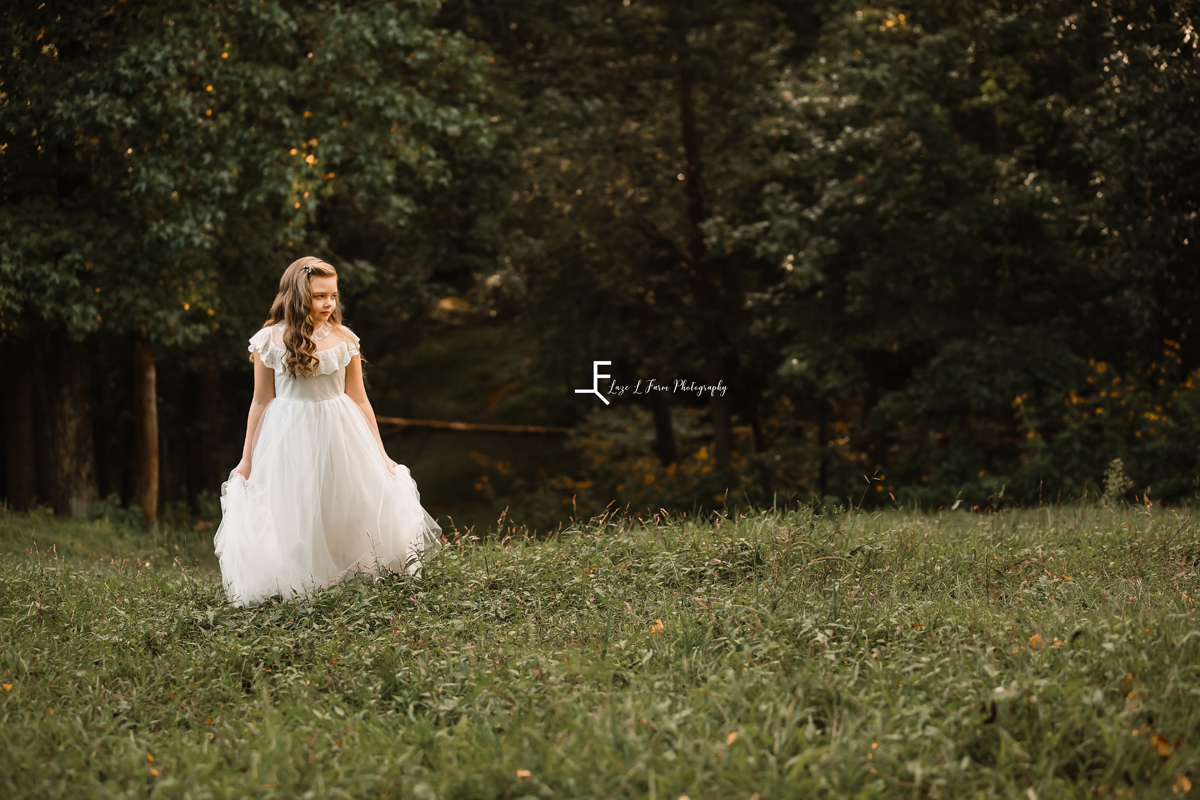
{"type": "Point", "coordinates": [1162, 744]}
{"type": "Point", "coordinates": [523, 773]}
{"type": "Point", "coordinates": [731, 738]}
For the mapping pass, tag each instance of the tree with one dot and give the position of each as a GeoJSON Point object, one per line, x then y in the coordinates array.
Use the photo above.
{"type": "Point", "coordinates": [949, 254]}
{"type": "Point", "coordinates": [628, 119]}
{"type": "Point", "coordinates": [160, 131]}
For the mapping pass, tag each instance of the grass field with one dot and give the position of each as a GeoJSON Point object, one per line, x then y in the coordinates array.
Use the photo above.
{"type": "Point", "coordinates": [1046, 653]}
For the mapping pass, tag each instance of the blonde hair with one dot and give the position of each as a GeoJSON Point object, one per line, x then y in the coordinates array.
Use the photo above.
{"type": "Point", "coordinates": [293, 307]}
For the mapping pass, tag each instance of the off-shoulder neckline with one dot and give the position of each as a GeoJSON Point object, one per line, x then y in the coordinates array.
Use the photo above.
{"type": "Point", "coordinates": [344, 334]}
{"type": "Point", "coordinates": [273, 356]}
{"type": "Point", "coordinates": [341, 330]}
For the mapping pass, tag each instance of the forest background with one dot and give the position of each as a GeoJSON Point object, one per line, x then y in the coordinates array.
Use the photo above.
{"type": "Point", "coordinates": [939, 252]}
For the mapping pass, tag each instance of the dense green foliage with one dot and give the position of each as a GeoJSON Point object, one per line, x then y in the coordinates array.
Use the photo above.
{"type": "Point", "coordinates": [971, 206]}
{"type": "Point", "coordinates": [158, 152]}
{"type": "Point", "coordinates": [160, 165]}
{"type": "Point", "coordinates": [869, 654]}
{"type": "Point", "coordinates": [943, 246]}
{"type": "Point", "coordinates": [952, 242]}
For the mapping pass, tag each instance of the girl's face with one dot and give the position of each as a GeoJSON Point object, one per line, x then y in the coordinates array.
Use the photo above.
{"type": "Point", "coordinates": [324, 298]}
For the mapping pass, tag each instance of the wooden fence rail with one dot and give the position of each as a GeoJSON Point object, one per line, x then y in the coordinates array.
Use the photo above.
{"type": "Point", "coordinates": [402, 423]}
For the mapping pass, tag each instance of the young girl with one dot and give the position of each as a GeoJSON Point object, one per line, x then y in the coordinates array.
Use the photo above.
{"type": "Point", "coordinates": [315, 497]}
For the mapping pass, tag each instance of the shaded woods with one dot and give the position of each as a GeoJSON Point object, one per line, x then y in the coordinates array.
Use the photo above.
{"type": "Point", "coordinates": [944, 248]}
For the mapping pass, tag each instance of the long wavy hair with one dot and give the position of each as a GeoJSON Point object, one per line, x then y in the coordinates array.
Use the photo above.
{"type": "Point", "coordinates": [293, 307]}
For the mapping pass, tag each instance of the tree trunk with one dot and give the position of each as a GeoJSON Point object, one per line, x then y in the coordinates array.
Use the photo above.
{"type": "Point", "coordinates": [664, 434]}
{"type": "Point", "coordinates": [42, 416]}
{"type": "Point", "coordinates": [756, 429]}
{"type": "Point", "coordinates": [19, 450]}
{"type": "Point", "coordinates": [655, 366]}
{"type": "Point", "coordinates": [703, 282]}
{"type": "Point", "coordinates": [822, 455]}
{"type": "Point", "coordinates": [165, 495]}
{"type": "Point", "coordinates": [67, 447]}
{"type": "Point", "coordinates": [145, 420]}
{"type": "Point", "coordinates": [204, 433]}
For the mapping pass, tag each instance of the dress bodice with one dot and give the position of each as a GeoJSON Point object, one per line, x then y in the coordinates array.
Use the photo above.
{"type": "Point", "coordinates": [327, 381]}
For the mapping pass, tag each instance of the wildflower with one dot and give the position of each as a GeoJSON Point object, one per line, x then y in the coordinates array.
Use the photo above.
{"type": "Point", "coordinates": [523, 773]}
{"type": "Point", "coordinates": [731, 738]}
{"type": "Point", "coordinates": [657, 627]}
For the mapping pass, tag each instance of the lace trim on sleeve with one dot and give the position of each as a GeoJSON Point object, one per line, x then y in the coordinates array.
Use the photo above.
{"type": "Point", "coordinates": [271, 356]}
{"type": "Point", "coordinates": [351, 340]}
{"type": "Point", "coordinates": [260, 340]}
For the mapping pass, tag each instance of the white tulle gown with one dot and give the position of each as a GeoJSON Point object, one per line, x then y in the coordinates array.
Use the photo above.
{"type": "Point", "coordinates": [321, 503]}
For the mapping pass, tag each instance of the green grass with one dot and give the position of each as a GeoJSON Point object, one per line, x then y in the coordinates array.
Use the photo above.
{"type": "Point", "coordinates": [867, 655]}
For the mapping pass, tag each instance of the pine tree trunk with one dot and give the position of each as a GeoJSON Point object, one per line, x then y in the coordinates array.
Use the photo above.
{"type": "Point", "coordinates": [67, 448]}
{"type": "Point", "coordinates": [703, 283]}
{"type": "Point", "coordinates": [145, 402]}
{"type": "Point", "coordinates": [655, 365]}
{"type": "Point", "coordinates": [204, 432]}
{"type": "Point", "coordinates": [756, 428]}
{"type": "Point", "coordinates": [165, 495]}
{"type": "Point", "coordinates": [822, 454]}
{"type": "Point", "coordinates": [19, 451]}
{"type": "Point", "coordinates": [664, 434]}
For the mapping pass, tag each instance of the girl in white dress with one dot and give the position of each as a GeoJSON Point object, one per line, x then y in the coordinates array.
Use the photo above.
{"type": "Point", "coordinates": [315, 497]}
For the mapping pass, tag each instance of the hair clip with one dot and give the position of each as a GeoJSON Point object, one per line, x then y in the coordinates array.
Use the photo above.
{"type": "Point", "coordinates": [307, 269]}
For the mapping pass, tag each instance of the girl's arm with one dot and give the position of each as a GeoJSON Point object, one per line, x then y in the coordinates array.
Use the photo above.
{"type": "Point", "coordinates": [264, 392]}
{"type": "Point", "coordinates": [358, 393]}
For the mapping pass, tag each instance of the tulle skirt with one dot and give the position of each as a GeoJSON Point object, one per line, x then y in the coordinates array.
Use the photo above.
{"type": "Point", "coordinates": [320, 505]}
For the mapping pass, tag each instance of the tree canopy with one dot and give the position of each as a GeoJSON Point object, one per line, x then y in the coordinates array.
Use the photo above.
{"type": "Point", "coordinates": [945, 247]}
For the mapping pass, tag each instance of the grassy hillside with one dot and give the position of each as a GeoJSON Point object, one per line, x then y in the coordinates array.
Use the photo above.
{"type": "Point", "coordinates": [1048, 653]}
